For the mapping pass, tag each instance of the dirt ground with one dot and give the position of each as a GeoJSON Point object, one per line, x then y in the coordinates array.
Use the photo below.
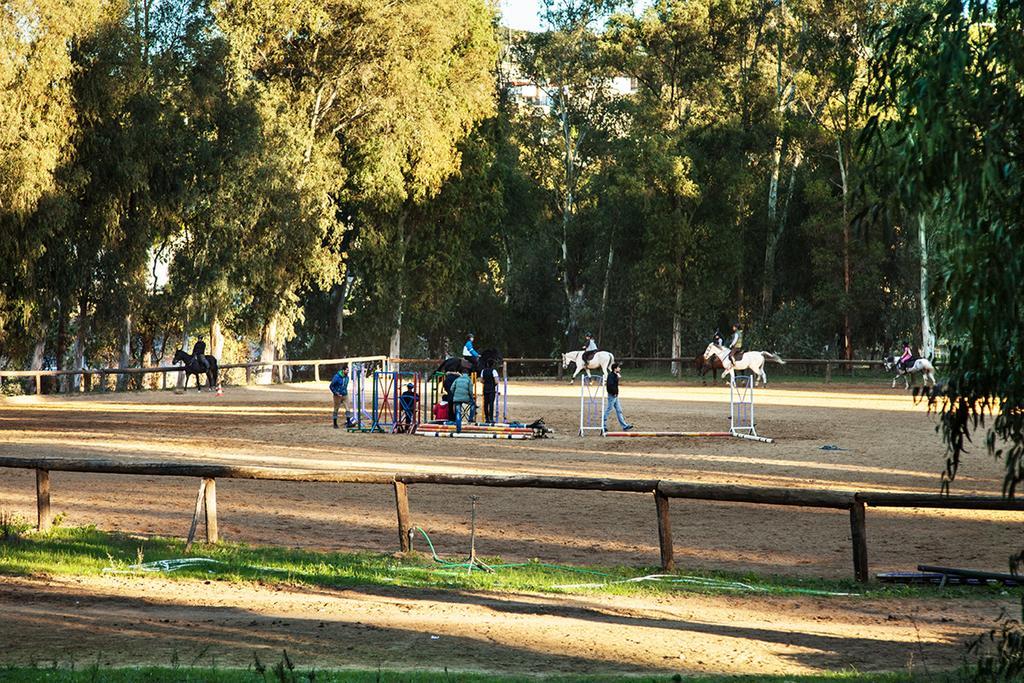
{"type": "Point", "coordinates": [889, 444]}
{"type": "Point", "coordinates": [114, 621]}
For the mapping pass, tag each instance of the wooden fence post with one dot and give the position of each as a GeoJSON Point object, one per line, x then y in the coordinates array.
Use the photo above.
{"type": "Point", "coordinates": [858, 533]}
{"type": "Point", "coordinates": [39, 384]}
{"type": "Point", "coordinates": [668, 562]}
{"type": "Point", "coordinates": [210, 503]}
{"type": "Point", "coordinates": [316, 372]}
{"type": "Point", "coordinates": [828, 372]}
{"type": "Point", "coordinates": [44, 518]}
{"type": "Point", "coordinates": [195, 515]}
{"type": "Point", "coordinates": [402, 507]}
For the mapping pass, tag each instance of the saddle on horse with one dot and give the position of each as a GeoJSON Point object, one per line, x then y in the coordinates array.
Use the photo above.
{"type": "Point", "coordinates": [587, 355]}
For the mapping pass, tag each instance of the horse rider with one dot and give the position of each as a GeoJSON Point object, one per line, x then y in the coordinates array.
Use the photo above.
{"type": "Point", "coordinates": [907, 359]}
{"type": "Point", "coordinates": [469, 354]}
{"type": "Point", "coordinates": [736, 343]}
{"type": "Point", "coordinates": [590, 348]}
{"type": "Point", "coordinates": [199, 353]}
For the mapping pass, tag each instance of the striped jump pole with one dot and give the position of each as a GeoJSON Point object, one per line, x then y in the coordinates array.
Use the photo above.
{"type": "Point", "coordinates": [677, 434]}
{"type": "Point", "coordinates": [476, 428]}
{"type": "Point", "coordinates": [474, 435]}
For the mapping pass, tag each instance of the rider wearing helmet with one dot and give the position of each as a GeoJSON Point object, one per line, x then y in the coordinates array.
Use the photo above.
{"type": "Point", "coordinates": [199, 353]}
{"type": "Point", "coordinates": [907, 359]}
{"type": "Point", "coordinates": [468, 352]}
{"type": "Point", "coordinates": [590, 348]}
{"type": "Point", "coordinates": [736, 344]}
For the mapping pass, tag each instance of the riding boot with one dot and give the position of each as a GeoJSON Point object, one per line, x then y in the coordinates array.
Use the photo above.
{"type": "Point", "coordinates": [335, 421]}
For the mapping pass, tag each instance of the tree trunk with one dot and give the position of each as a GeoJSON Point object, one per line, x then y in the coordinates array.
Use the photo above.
{"type": "Point", "coordinates": [927, 333]}
{"type": "Point", "coordinates": [146, 360]}
{"type": "Point", "coordinates": [607, 285]}
{"type": "Point", "coordinates": [395, 349]}
{"type": "Point", "coordinates": [184, 347]}
{"type": "Point", "coordinates": [774, 237]}
{"type": "Point", "coordinates": [677, 331]}
{"type": "Point", "coordinates": [268, 341]}
{"type": "Point", "coordinates": [339, 313]}
{"type": "Point", "coordinates": [125, 361]}
{"type": "Point", "coordinates": [78, 362]}
{"type": "Point", "coordinates": [573, 293]}
{"type": "Point", "coordinates": [216, 338]}
{"type": "Point", "coordinates": [38, 354]}
{"type": "Point", "coordinates": [62, 344]}
{"type": "Point", "coordinates": [285, 373]}
{"type": "Point", "coordinates": [847, 340]}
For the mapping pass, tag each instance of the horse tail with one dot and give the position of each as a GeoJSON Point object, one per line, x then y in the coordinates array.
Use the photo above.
{"type": "Point", "coordinates": [773, 357]}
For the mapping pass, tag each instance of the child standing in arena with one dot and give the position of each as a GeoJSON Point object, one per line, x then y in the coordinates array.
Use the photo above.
{"type": "Point", "coordinates": [339, 390]}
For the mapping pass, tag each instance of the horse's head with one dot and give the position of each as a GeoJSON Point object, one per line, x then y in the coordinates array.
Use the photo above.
{"type": "Point", "coordinates": [710, 351]}
{"type": "Point", "coordinates": [568, 358]}
{"type": "Point", "coordinates": [888, 363]}
{"type": "Point", "coordinates": [180, 356]}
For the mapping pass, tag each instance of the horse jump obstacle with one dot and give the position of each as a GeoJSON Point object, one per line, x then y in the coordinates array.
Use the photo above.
{"type": "Point", "coordinates": [593, 401]}
{"type": "Point", "coordinates": [741, 416]}
{"type": "Point", "coordinates": [357, 391]}
{"type": "Point", "coordinates": [741, 409]}
{"type": "Point", "coordinates": [391, 412]}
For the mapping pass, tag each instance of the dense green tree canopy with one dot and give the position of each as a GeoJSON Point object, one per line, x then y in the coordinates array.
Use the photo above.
{"type": "Point", "coordinates": [318, 178]}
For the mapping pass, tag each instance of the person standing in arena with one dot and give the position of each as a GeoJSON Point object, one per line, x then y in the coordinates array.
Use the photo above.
{"type": "Point", "coordinates": [612, 389]}
{"type": "Point", "coordinates": [339, 390]}
{"type": "Point", "coordinates": [462, 397]}
{"type": "Point", "coordinates": [490, 379]}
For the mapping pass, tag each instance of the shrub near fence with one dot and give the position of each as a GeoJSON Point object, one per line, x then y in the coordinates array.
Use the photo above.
{"type": "Point", "coordinates": [663, 491]}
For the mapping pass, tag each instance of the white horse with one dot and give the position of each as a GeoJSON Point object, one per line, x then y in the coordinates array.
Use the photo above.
{"type": "Point", "coordinates": [751, 360]}
{"type": "Point", "coordinates": [601, 360]}
{"type": "Point", "coordinates": [922, 365]}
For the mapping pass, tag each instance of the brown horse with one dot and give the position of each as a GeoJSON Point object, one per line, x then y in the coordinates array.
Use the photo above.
{"type": "Point", "coordinates": [703, 366]}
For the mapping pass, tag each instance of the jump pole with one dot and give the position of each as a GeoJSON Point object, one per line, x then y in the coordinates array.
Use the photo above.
{"type": "Point", "coordinates": [679, 434]}
{"type": "Point", "coordinates": [474, 435]}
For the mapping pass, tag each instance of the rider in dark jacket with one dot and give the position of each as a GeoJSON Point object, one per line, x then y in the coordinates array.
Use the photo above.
{"type": "Point", "coordinates": [199, 353]}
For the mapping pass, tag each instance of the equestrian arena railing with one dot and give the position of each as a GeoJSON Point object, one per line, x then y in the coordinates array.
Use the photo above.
{"type": "Point", "coordinates": [280, 368]}
{"type": "Point", "coordinates": [855, 503]}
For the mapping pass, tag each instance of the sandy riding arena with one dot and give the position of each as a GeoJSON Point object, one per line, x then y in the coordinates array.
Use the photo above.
{"type": "Point", "coordinates": [887, 442]}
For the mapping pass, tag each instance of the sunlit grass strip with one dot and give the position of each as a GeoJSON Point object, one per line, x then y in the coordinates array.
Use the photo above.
{"type": "Point", "coordinates": [86, 551]}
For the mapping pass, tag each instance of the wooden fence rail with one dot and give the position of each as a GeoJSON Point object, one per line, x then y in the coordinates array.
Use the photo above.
{"type": "Point", "coordinates": [317, 363]}
{"type": "Point", "coordinates": [663, 491]}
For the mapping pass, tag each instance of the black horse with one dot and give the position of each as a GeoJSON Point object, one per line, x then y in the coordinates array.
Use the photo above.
{"type": "Point", "coordinates": [713, 364]}
{"type": "Point", "coordinates": [194, 367]}
{"type": "Point", "coordinates": [488, 358]}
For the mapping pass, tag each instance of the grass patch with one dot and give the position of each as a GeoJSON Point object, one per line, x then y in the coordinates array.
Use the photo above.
{"type": "Point", "coordinates": [283, 674]}
{"type": "Point", "coordinates": [87, 551]}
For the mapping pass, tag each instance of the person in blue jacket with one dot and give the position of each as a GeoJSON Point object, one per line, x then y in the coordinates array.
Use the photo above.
{"type": "Point", "coordinates": [469, 353]}
{"type": "Point", "coordinates": [339, 389]}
